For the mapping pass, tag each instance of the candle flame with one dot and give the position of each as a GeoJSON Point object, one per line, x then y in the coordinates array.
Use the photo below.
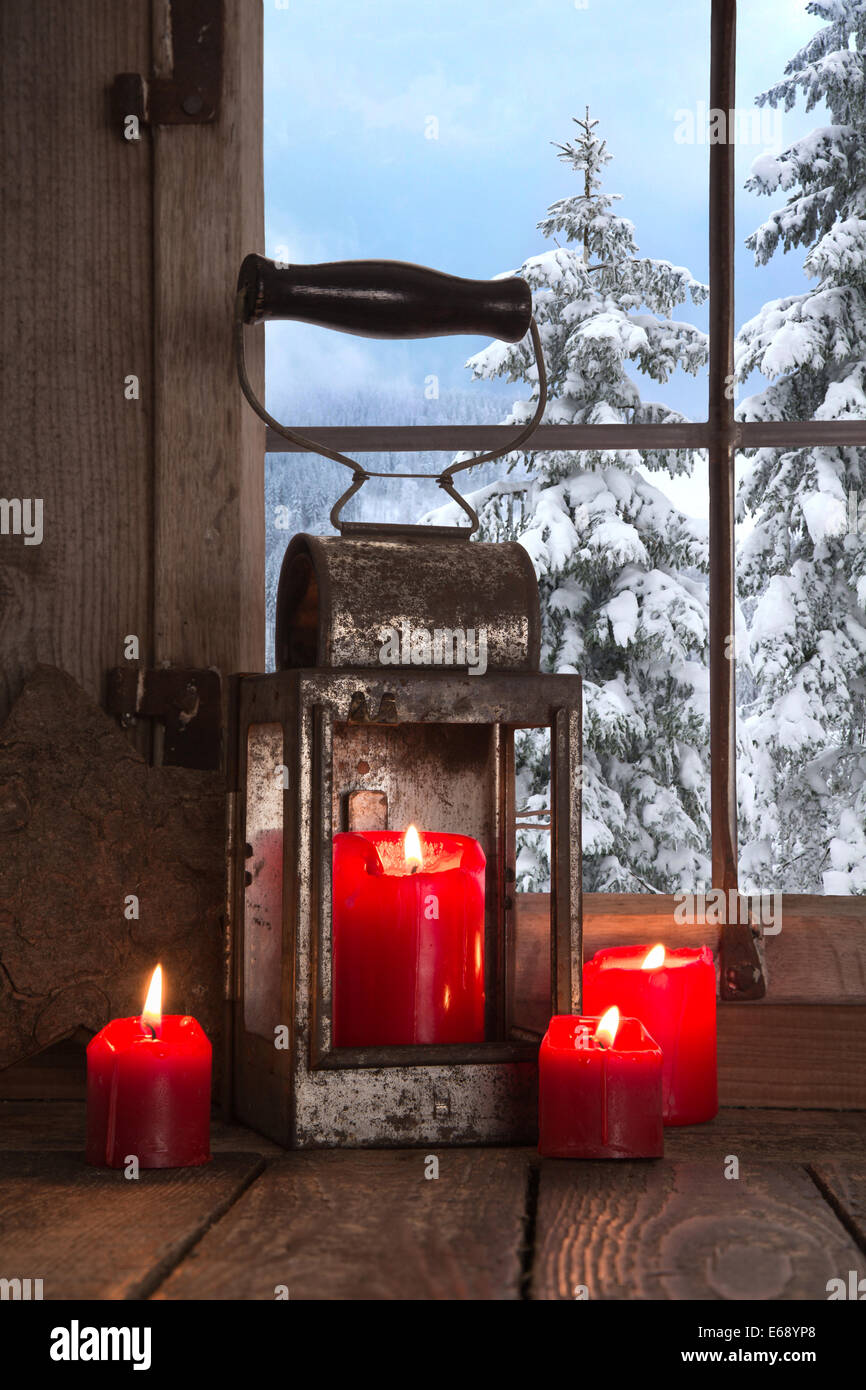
{"type": "Point", "coordinates": [152, 1011]}
{"type": "Point", "coordinates": [608, 1027]}
{"type": "Point", "coordinates": [654, 958]}
{"type": "Point", "coordinates": [412, 849]}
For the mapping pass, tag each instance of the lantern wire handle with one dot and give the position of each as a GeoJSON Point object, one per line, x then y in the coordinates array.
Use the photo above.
{"type": "Point", "coordinates": [361, 475]}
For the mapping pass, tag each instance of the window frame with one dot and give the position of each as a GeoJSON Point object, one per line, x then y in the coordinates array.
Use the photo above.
{"type": "Point", "coordinates": [720, 435]}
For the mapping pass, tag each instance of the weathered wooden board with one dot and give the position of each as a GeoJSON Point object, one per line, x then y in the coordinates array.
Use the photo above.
{"type": "Point", "coordinates": [660, 1230]}
{"type": "Point", "coordinates": [58, 1073]}
{"type": "Point", "coordinates": [820, 953]}
{"type": "Point", "coordinates": [760, 1136]}
{"type": "Point", "coordinates": [844, 1187]}
{"type": "Point", "coordinates": [369, 1225]}
{"type": "Point", "coordinates": [818, 956]}
{"type": "Point", "coordinates": [209, 447]}
{"type": "Point", "coordinates": [86, 823]}
{"type": "Point", "coordinates": [120, 258]}
{"type": "Point", "coordinates": [92, 1233]}
{"type": "Point", "coordinates": [60, 1125]}
{"type": "Point", "coordinates": [75, 246]}
{"type": "Point", "coordinates": [41, 1126]}
{"type": "Point", "coordinates": [792, 1055]}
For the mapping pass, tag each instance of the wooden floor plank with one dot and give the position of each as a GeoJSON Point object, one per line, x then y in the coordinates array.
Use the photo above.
{"type": "Point", "coordinates": [800, 1136]}
{"type": "Point", "coordinates": [60, 1124]}
{"type": "Point", "coordinates": [843, 1183]}
{"type": "Point", "coordinates": [92, 1233]}
{"type": "Point", "coordinates": [795, 1136]}
{"type": "Point", "coordinates": [682, 1230]}
{"type": "Point", "coordinates": [369, 1225]}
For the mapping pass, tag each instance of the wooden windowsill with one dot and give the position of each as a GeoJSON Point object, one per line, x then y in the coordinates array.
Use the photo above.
{"type": "Point", "coordinates": [344, 1224]}
{"type": "Point", "coordinates": [803, 1045]}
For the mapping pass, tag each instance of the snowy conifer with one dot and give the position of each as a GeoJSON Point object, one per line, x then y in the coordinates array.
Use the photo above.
{"type": "Point", "coordinates": [801, 569]}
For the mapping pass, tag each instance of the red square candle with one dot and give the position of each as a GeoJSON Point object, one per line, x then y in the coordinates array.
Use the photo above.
{"type": "Point", "coordinates": [148, 1089]}
{"type": "Point", "coordinates": [673, 993]}
{"type": "Point", "coordinates": [599, 1089]}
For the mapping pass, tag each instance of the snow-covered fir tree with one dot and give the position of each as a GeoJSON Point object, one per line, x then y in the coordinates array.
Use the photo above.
{"type": "Point", "coordinates": [620, 569]}
{"type": "Point", "coordinates": [801, 570]}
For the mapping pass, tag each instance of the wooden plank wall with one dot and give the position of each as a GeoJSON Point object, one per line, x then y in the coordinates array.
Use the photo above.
{"type": "Point", "coordinates": [209, 446]}
{"type": "Point", "coordinates": [119, 259]}
{"type": "Point", "coordinates": [76, 249]}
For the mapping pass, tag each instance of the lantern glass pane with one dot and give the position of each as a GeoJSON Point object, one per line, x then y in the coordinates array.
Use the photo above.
{"type": "Point", "coordinates": [415, 929]}
{"type": "Point", "coordinates": [529, 989]}
{"type": "Point", "coordinates": [263, 884]}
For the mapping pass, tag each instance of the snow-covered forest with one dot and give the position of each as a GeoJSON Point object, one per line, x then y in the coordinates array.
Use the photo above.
{"type": "Point", "coordinates": [621, 569]}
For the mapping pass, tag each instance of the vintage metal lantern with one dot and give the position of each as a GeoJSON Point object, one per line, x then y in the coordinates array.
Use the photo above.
{"type": "Point", "coordinates": [376, 987]}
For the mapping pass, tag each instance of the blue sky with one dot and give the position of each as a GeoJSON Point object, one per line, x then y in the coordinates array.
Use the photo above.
{"type": "Point", "coordinates": [349, 170]}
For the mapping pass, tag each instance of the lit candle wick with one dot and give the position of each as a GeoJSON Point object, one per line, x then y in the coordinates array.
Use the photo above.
{"type": "Point", "coordinates": [605, 1033]}
{"type": "Point", "coordinates": [412, 850]}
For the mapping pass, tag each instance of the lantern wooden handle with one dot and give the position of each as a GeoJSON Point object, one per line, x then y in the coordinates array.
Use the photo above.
{"type": "Point", "coordinates": [384, 299]}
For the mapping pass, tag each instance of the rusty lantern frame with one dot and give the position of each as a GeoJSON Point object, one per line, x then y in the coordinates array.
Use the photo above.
{"type": "Point", "coordinates": [438, 748]}
{"type": "Point", "coordinates": [308, 1093]}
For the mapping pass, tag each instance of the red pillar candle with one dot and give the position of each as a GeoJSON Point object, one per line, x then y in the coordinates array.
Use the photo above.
{"type": "Point", "coordinates": [673, 993]}
{"type": "Point", "coordinates": [408, 938]}
{"type": "Point", "coordinates": [148, 1090]}
{"type": "Point", "coordinates": [599, 1089]}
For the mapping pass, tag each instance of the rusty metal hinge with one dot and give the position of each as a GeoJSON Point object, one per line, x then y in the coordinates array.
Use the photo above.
{"type": "Point", "coordinates": [741, 975]}
{"type": "Point", "coordinates": [186, 700]}
{"type": "Point", "coordinates": [191, 96]}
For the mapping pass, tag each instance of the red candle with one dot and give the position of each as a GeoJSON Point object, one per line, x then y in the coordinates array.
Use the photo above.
{"type": "Point", "coordinates": [599, 1089]}
{"type": "Point", "coordinates": [408, 938]}
{"type": "Point", "coordinates": [673, 993]}
{"type": "Point", "coordinates": [148, 1090]}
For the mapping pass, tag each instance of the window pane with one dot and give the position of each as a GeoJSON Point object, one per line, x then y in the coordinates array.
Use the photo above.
{"type": "Point", "coordinates": [801, 353]}
{"type": "Point", "coordinates": [802, 672]}
{"type": "Point", "coordinates": [623, 580]}
{"type": "Point", "coordinates": [431, 136]}
{"type": "Point", "coordinates": [432, 140]}
{"type": "Point", "coordinates": [801, 166]}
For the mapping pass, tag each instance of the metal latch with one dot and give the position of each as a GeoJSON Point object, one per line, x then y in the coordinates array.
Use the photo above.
{"type": "Point", "coordinates": [191, 96]}
{"type": "Point", "coordinates": [186, 700]}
